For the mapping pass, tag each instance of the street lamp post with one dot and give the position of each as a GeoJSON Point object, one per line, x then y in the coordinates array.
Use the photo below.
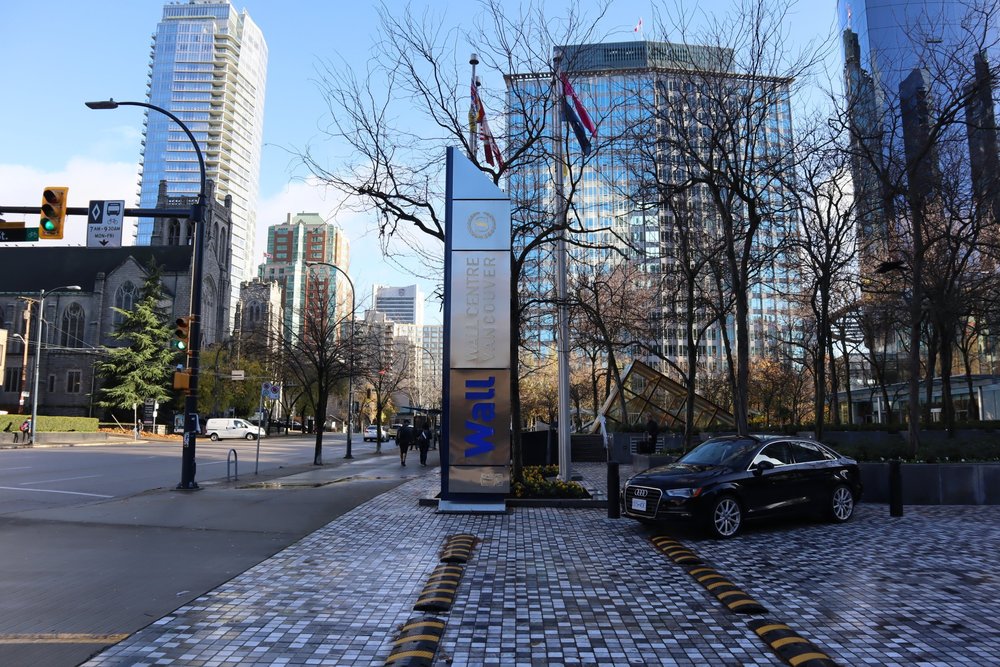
{"type": "Point", "coordinates": [194, 347]}
{"type": "Point", "coordinates": [38, 353]}
{"type": "Point", "coordinates": [350, 370]}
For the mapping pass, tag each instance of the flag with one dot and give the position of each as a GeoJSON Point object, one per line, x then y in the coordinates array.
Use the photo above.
{"type": "Point", "coordinates": [576, 115]}
{"type": "Point", "coordinates": [638, 26]}
{"type": "Point", "coordinates": [477, 116]}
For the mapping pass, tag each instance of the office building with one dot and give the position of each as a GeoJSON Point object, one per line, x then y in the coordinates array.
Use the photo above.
{"type": "Point", "coordinates": [301, 240]}
{"type": "Point", "coordinates": [208, 66]}
{"type": "Point", "coordinates": [402, 305]}
{"type": "Point", "coordinates": [631, 89]}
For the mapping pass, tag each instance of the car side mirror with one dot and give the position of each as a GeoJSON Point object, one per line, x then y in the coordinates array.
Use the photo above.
{"type": "Point", "coordinates": [762, 467]}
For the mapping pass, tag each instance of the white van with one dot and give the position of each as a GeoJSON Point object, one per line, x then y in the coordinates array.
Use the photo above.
{"type": "Point", "coordinates": [221, 428]}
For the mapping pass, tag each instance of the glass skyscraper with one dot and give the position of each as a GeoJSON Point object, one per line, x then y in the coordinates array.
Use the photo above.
{"type": "Point", "coordinates": [208, 67]}
{"type": "Point", "coordinates": [634, 90]}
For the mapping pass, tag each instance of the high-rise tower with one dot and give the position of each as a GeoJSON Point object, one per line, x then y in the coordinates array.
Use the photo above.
{"type": "Point", "coordinates": [208, 66]}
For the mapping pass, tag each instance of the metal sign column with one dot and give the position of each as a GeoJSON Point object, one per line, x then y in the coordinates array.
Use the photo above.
{"type": "Point", "coordinates": [475, 458]}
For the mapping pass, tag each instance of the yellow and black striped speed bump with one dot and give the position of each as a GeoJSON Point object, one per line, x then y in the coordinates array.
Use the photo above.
{"type": "Point", "coordinates": [457, 548]}
{"type": "Point", "coordinates": [417, 642]}
{"type": "Point", "coordinates": [735, 599]}
{"type": "Point", "coordinates": [439, 592]}
{"type": "Point", "coordinates": [790, 647]}
{"type": "Point", "coordinates": [676, 551]}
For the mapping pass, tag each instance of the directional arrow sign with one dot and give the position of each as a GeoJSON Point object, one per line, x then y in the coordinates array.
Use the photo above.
{"type": "Point", "coordinates": [104, 223]}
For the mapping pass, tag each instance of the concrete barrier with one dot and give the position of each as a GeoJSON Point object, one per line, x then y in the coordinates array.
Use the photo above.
{"type": "Point", "coordinates": [935, 483]}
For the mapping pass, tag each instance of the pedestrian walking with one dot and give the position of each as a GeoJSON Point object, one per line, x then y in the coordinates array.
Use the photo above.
{"type": "Point", "coordinates": [652, 430]}
{"type": "Point", "coordinates": [424, 442]}
{"type": "Point", "coordinates": [404, 438]}
{"type": "Point", "coordinates": [25, 427]}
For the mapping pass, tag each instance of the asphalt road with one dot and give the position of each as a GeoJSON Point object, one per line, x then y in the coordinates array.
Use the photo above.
{"type": "Point", "coordinates": [96, 543]}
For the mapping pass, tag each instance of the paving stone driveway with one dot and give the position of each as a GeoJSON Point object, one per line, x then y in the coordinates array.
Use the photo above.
{"type": "Point", "coordinates": [551, 586]}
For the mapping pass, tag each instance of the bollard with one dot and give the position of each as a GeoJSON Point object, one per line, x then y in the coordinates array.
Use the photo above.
{"type": "Point", "coordinates": [895, 488]}
{"type": "Point", "coordinates": [614, 490]}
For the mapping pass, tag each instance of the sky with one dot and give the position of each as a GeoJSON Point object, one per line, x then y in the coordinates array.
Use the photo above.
{"type": "Point", "coordinates": [59, 54]}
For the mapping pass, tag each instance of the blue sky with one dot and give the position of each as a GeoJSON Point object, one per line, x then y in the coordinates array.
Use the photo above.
{"type": "Point", "coordinates": [58, 54]}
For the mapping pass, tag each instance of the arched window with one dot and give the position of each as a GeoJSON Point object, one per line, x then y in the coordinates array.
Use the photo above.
{"type": "Point", "coordinates": [174, 232]}
{"type": "Point", "coordinates": [125, 300]}
{"type": "Point", "coordinates": [208, 308]}
{"type": "Point", "coordinates": [71, 331]}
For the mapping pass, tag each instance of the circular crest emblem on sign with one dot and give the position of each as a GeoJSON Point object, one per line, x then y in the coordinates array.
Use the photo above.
{"type": "Point", "coordinates": [482, 225]}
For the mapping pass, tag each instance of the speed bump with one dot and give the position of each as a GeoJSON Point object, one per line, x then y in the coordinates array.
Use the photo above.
{"type": "Point", "coordinates": [417, 642]}
{"type": "Point", "coordinates": [439, 592]}
{"type": "Point", "coordinates": [734, 598]}
{"type": "Point", "coordinates": [457, 548]}
{"type": "Point", "coordinates": [790, 647]}
{"type": "Point", "coordinates": [676, 551]}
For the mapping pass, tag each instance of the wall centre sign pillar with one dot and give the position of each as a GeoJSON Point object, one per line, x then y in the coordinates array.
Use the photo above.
{"type": "Point", "coordinates": [476, 435]}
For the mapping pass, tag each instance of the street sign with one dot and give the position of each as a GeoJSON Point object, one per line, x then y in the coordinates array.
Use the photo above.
{"type": "Point", "coordinates": [270, 390]}
{"type": "Point", "coordinates": [104, 223]}
{"type": "Point", "coordinates": [149, 410]}
{"type": "Point", "coordinates": [10, 232]}
{"type": "Point", "coordinates": [237, 375]}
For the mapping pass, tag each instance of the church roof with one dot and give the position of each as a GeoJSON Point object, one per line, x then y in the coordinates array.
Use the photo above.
{"type": "Point", "coordinates": [26, 269]}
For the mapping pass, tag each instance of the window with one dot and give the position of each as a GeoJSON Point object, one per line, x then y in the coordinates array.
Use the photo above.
{"type": "Point", "coordinates": [73, 381]}
{"type": "Point", "coordinates": [51, 384]}
{"type": "Point", "coordinates": [71, 334]}
{"type": "Point", "coordinates": [806, 452]}
{"type": "Point", "coordinates": [11, 379]}
{"type": "Point", "coordinates": [173, 232]}
{"type": "Point", "coordinates": [777, 453]}
{"type": "Point", "coordinates": [124, 300]}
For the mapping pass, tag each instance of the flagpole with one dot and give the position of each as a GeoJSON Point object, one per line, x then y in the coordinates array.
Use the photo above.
{"type": "Point", "coordinates": [562, 312]}
{"type": "Point", "coordinates": [473, 133]}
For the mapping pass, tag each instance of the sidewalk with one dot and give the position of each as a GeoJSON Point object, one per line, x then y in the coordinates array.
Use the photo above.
{"type": "Point", "coordinates": [548, 586]}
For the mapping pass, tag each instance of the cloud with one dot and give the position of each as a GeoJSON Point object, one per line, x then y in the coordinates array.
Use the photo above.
{"type": "Point", "coordinates": [87, 179]}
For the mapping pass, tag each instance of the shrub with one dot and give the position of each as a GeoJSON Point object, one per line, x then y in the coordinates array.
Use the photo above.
{"type": "Point", "coordinates": [540, 482]}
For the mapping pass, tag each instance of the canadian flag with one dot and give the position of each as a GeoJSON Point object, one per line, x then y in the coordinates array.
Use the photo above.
{"type": "Point", "coordinates": [477, 115]}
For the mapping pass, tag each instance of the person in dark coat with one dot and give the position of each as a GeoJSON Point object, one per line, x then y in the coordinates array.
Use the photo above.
{"type": "Point", "coordinates": [424, 442]}
{"type": "Point", "coordinates": [404, 438]}
{"type": "Point", "coordinates": [652, 430]}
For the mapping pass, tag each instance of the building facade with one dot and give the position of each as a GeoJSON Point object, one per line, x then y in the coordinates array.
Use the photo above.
{"type": "Point", "coordinates": [635, 92]}
{"type": "Point", "coordinates": [208, 66]}
{"type": "Point", "coordinates": [402, 305]}
{"type": "Point", "coordinates": [78, 324]}
{"type": "Point", "coordinates": [304, 239]}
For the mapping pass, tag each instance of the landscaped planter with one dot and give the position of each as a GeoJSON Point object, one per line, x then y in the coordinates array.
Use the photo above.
{"type": "Point", "coordinates": [935, 483]}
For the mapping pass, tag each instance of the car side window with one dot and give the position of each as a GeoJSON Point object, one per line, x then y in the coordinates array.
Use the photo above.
{"type": "Point", "coordinates": [776, 453]}
{"type": "Point", "coordinates": [805, 452]}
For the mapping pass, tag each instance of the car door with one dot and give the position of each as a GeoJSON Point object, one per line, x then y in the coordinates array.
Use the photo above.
{"type": "Point", "coordinates": [816, 471]}
{"type": "Point", "coordinates": [775, 489]}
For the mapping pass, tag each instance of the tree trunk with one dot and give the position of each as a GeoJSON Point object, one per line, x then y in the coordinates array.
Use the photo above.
{"type": "Point", "coordinates": [689, 425]}
{"type": "Point", "coordinates": [933, 345]}
{"type": "Point", "coordinates": [517, 467]}
{"type": "Point", "coordinates": [847, 383]}
{"type": "Point", "coordinates": [320, 421]}
{"type": "Point", "coordinates": [947, 401]}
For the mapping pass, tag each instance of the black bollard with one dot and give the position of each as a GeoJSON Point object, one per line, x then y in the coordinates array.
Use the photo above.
{"type": "Point", "coordinates": [895, 488]}
{"type": "Point", "coordinates": [614, 490]}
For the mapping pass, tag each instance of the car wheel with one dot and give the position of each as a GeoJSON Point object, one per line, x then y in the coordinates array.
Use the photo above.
{"type": "Point", "coordinates": [841, 506]}
{"type": "Point", "coordinates": [725, 518]}
{"type": "Point", "coordinates": [214, 437]}
{"type": "Point", "coordinates": [250, 436]}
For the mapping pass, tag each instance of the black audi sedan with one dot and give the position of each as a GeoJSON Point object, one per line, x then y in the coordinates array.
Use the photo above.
{"type": "Point", "coordinates": [727, 480]}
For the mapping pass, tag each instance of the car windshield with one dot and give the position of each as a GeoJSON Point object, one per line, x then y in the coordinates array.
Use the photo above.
{"type": "Point", "coordinates": [719, 452]}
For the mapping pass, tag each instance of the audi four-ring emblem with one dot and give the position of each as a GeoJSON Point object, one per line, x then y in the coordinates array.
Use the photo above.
{"type": "Point", "coordinates": [642, 493]}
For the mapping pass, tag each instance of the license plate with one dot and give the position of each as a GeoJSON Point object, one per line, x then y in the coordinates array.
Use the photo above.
{"type": "Point", "coordinates": [639, 504]}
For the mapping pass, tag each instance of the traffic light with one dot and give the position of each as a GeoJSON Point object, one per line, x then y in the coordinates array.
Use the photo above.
{"type": "Point", "coordinates": [53, 214]}
{"type": "Point", "coordinates": [182, 333]}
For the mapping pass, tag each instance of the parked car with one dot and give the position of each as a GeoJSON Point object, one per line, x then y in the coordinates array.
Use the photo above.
{"type": "Point", "coordinates": [221, 428]}
{"type": "Point", "coordinates": [394, 430]}
{"type": "Point", "coordinates": [371, 433]}
{"type": "Point", "coordinates": [727, 480]}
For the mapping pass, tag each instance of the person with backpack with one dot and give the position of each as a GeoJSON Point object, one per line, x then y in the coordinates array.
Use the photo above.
{"type": "Point", "coordinates": [25, 429]}
{"type": "Point", "coordinates": [404, 438]}
{"type": "Point", "coordinates": [424, 442]}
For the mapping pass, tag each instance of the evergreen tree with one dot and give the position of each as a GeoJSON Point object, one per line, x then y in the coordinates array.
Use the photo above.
{"type": "Point", "coordinates": [143, 366]}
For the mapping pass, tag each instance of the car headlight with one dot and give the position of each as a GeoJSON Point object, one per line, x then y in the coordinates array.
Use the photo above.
{"type": "Point", "coordinates": [683, 493]}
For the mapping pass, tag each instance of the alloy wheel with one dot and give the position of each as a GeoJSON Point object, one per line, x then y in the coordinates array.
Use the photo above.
{"type": "Point", "coordinates": [727, 517]}
{"type": "Point", "coordinates": [843, 503]}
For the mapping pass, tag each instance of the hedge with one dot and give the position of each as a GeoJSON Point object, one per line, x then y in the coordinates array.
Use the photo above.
{"type": "Point", "coordinates": [52, 424]}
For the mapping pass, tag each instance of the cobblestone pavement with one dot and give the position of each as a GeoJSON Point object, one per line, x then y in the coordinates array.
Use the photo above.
{"type": "Point", "coordinates": [551, 586]}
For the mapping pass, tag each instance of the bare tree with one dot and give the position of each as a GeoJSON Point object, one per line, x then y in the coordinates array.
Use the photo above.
{"type": "Point", "coordinates": [721, 124]}
{"type": "Point", "coordinates": [317, 356]}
